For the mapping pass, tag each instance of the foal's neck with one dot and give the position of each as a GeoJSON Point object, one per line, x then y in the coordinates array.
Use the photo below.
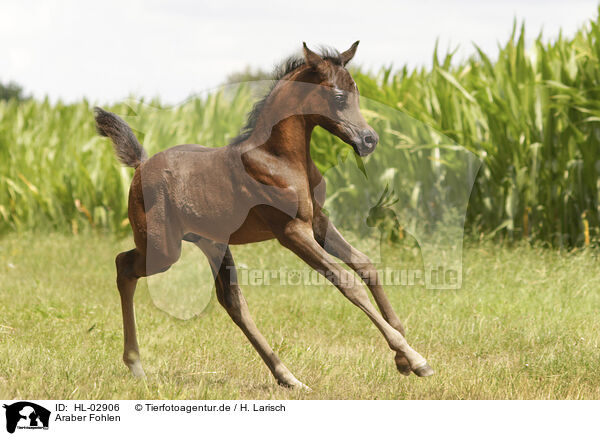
{"type": "Point", "coordinates": [282, 129]}
{"type": "Point", "coordinates": [288, 139]}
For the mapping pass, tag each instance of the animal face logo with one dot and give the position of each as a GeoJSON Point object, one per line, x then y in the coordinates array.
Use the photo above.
{"type": "Point", "coordinates": [383, 216]}
{"type": "Point", "coordinates": [26, 415]}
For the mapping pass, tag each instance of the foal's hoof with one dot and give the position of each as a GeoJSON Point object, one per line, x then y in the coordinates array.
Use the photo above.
{"type": "Point", "coordinates": [423, 370]}
{"type": "Point", "coordinates": [136, 370]}
{"type": "Point", "coordinates": [402, 365]}
{"type": "Point", "coordinates": [294, 384]}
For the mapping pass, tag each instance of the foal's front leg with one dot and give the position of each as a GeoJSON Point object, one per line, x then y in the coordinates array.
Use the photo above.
{"type": "Point", "coordinates": [298, 236]}
{"type": "Point", "coordinates": [328, 237]}
{"type": "Point", "coordinates": [231, 298]}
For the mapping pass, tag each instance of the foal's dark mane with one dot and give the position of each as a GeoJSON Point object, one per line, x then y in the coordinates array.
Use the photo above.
{"type": "Point", "coordinates": [288, 66]}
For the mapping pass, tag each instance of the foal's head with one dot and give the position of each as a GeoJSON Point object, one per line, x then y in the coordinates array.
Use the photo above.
{"type": "Point", "coordinates": [318, 88]}
{"type": "Point", "coordinates": [334, 104]}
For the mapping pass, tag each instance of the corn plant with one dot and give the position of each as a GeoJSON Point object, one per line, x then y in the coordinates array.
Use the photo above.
{"type": "Point", "coordinates": [531, 115]}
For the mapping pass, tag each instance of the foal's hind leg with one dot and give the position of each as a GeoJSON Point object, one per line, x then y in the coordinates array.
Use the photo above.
{"type": "Point", "coordinates": [231, 298]}
{"type": "Point", "coordinates": [328, 237]}
{"type": "Point", "coordinates": [130, 266]}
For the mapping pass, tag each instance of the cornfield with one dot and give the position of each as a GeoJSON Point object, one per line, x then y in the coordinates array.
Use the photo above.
{"type": "Point", "coordinates": [531, 117]}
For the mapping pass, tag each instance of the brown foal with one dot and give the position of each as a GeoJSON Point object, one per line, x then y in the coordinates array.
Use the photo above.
{"type": "Point", "coordinates": [261, 186]}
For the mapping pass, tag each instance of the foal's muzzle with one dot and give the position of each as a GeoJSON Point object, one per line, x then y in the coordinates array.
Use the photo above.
{"type": "Point", "coordinates": [368, 141]}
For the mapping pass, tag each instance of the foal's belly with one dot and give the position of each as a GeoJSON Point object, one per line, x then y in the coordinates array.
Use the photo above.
{"type": "Point", "coordinates": [252, 230]}
{"type": "Point", "coordinates": [230, 231]}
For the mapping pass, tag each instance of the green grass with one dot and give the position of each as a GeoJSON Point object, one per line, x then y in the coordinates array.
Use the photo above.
{"type": "Point", "coordinates": [524, 325]}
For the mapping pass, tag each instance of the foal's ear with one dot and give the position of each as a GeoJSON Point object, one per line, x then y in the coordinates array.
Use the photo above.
{"type": "Point", "coordinates": [312, 59]}
{"type": "Point", "coordinates": [349, 54]}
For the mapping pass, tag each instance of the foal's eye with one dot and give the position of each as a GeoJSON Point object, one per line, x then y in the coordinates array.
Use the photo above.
{"type": "Point", "coordinates": [340, 99]}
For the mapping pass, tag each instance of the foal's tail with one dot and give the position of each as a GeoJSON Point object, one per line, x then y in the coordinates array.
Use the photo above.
{"type": "Point", "coordinates": [128, 149]}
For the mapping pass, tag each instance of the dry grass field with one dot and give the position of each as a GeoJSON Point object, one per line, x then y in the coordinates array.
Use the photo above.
{"type": "Point", "coordinates": [524, 325]}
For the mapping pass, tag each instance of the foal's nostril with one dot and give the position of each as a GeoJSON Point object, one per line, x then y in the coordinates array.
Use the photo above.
{"type": "Point", "coordinates": [369, 139]}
